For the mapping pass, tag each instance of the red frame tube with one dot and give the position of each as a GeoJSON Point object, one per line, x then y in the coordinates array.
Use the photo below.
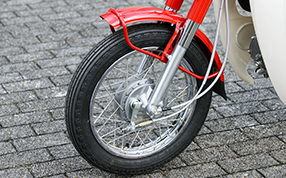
{"type": "Point", "coordinates": [174, 4]}
{"type": "Point", "coordinates": [199, 10]}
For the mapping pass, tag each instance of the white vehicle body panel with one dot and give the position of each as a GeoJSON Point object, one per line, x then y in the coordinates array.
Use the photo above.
{"type": "Point", "coordinates": [269, 18]}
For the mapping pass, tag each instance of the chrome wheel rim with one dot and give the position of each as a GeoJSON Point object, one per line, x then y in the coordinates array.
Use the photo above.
{"type": "Point", "coordinates": [111, 124]}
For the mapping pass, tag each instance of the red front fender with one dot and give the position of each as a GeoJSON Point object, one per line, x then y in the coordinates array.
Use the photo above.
{"type": "Point", "coordinates": [140, 14]}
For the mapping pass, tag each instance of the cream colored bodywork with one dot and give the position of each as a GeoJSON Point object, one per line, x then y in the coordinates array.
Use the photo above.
{"type": "Point", "coordinates": [269, 19]}
{"type": "Point", "coordinates": [241, 31]}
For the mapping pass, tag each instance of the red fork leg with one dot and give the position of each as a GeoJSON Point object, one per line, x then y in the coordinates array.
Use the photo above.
{"type": "Point", "coordinates": [198, 10]}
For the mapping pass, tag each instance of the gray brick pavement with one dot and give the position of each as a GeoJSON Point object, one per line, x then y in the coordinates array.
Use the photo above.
{"type": "Point", "coordinates": [41, 44]}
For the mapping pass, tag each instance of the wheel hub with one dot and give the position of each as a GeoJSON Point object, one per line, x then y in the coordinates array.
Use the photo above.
{"type": "Point", "coordinates": [131, 92]}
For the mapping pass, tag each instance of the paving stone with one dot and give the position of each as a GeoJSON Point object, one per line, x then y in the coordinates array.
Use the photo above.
{"type": "Point", "coordinates": [218, 101]}
{"type": "Point", "coordinates": [15, 132]}
{"type": "Point", "coordinates": [62, 80]}
{"type": "Point", "coordinates": [258, 84]}
{"type": "Point", "coordinates": [59, 62]}
{"type": "Point", "coordinates": [245, 175]}
{"type": "Point", "coordinates": [190, 158]}
{"type": "Point", "coordinates": [95, 13]}
{"type": "Point", "coordinates": [3, 60]}
{"type": "Point", "coordinates": [2, 91]}
{"type": "Point", "coordinates": [240, 109]}
{"type": "Point", "coordinates": [231, 87]}
{"type": "Point", "coordinates": [58, 113]}
{"type": "Point", "coordinates": [91, 42]}
{"type": "Point", "coordinates": [20, 20]}
{"type": "Point", "coordinates": [34, 12]}
{"type": "Point", "coordinates": [274, 104]}
{"type": "Point", "coordinates": [17, 97]}
{"type": "Point", "coordinates": [271, 116]}
{"type": "Point", "coordinates": [18, 2]}
{"type": "Point", "coordinates": [220, 138]}
{"type": "Point", "coordinates": [204, 130]}
{"type": "Point", "coordinates": [7, 15]}
{"type": "Point", "coordinates": [28, 85]}
{"type": "Point", "coordinates": [24, 119]}
{"type": "Point", "coordinates": [12, 50]}
{"type": "Point", "coordinates": [53, 92]}
{"type": "Point", "coordinates": [75, 7]}
{"type": "Point", "coordinates": [46, 46]}
{"type": "Point", "coordinates": [8, 110]}
{"type": "Point", "coordinates": [231, 123]}
{"type": "Point", "coordinates": [24, 34]}
{"type": "Point", "coordinates": [212, 115]}
{"type": "Point", "coordinates": [59, 166]}
{"type": "Point", "coordinates": [46, 25]}
{"type": "Point", "coordinates": [192, 146]}
{"type": "Point", "coordinates": [87, 173]}
{"type": "Point", "coordinates": [24, 158]}
{"type": "Point", "coordinates": [30, 57]}
{"type": "Point", "coordinates": [61, 15]}
{"type": "Point", "coordinates": [49, 127]}
{"type": "Point", "coordinates": [253, 95]}
{"type": "Point", "coordinates": [283, 137]}
{"type": "Point", "coordinates": [157, 174]}
{"type": "Point", "coordinates": [74, 51]}
{"type": "Point", "coordinates": [204, 170]}
{"type": "Point", "coordinates": [43, 5]}
{"type": "Point", "coordinates": [42, 105]}
{"type": "Point", "coordinates": [58, 176]}
{"type": "Point", "coordinates": [41, 141]}
{"type": "Point", "coordinates": [260, 131]}
{"type": "Point", "coordinates": [5, 148]}
{"type": "Point", "coordinates": [47, 72]}
{"type": "Point", "coordinates": [258, 146]}
{"type": "Point", "coordinates": [173, 164]}
{"type": "Point", "coordinates": [4, 35]}
{"type": "Point", "coordinates": [18, 67]}
{"type": "Point", "coordinates": [279, 155]}
{"type": "Point", "coordinates": [16, 173]}
{"type": "Point", "coordinates": [214, 154]}
{"type": "Point", "coordinates": [72, 68]}
{"type": "Point", "coordinates": [82, 29]}
{"type": "Point", "coordinates": [10, 77]}
{"type": "Point", "coordinates": [45, 38]}
{"type": "Point", "coordinates": [247, 163]}
{"type": "Point", "coordinates": [63, 151]}
{"type": "Point", "coordinates": [275, 171]}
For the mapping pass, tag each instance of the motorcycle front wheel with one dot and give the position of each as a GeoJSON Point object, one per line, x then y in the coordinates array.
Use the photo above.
{"type": "Point", "coordinates": [98, 103]}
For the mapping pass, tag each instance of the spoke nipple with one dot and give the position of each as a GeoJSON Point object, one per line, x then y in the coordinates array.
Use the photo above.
{"type": "Point", "coordinates": [98, 131]}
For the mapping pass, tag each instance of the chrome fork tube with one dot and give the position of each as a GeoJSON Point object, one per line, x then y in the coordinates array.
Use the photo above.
{"type": "Point", "coordinates": [189, 31]}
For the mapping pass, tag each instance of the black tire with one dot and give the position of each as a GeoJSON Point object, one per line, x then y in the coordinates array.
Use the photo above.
{"type": "Point", "coordinates": [100, 130]}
